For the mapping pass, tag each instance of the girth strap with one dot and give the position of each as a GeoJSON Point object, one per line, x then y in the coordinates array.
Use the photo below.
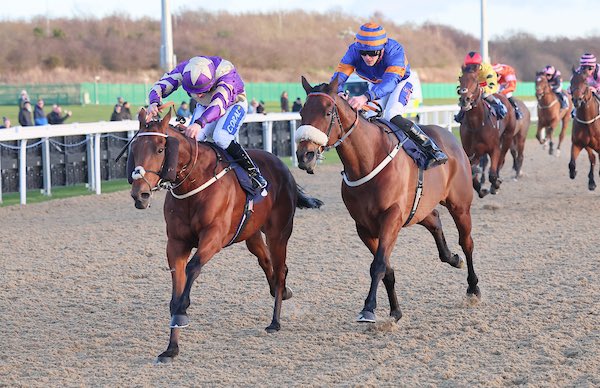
{"type": "Point", "coordinates": [418, 194]}
{"type": "Point", "coordinates": [248, 209]}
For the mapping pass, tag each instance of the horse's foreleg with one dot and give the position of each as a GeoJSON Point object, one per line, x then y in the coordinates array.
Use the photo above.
{"type": "Point", "coordinates": [434, 225]}
{"type": "Point", "coordinates": [575, 150]}
{"type": "Point", "coordinates": [592, 157]}
{"type": "Point", "coordinates": [277, 243]}
{"type": "Point", "coordinates": [177, 255]}
{"type": "Point", "coordinates": [549, 134]}
{"type": "Point", "coordinates": [475, 171]}
{"type": "Point", "coordinates": [389, 280]}
{"type": "Point", "coordinates": [563, 131]}
{"type": "Point", "coordinates": [390, 223]}
{"type": "Point", "coordinates": [462, 218]}
{"type": "Point", "coordinates": [493, 172]}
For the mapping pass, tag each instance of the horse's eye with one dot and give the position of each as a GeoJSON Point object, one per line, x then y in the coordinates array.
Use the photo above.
{"type": "Point", "coordinates": [160, 150]}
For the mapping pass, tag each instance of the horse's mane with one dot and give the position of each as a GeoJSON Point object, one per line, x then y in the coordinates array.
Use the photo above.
{"type": "Point", "coordinates": [321, 88]}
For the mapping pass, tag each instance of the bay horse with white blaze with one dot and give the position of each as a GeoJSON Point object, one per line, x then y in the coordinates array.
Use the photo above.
{"type": "Point", "coordinates": [550, 113]}
{"type": "Point", "coordinates": [381, 187]}
{"type": "Point", "coordinates": [482, 133]}
{"type": "Point", "coordinates": [586, 125]}
{"type": "Point", "coordinates": [207, 209]}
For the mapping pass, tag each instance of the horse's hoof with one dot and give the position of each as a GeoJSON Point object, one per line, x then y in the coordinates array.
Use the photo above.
{"type": "Point", "coordinates": [163, 360]}
{"type": "Point", "coordinates": [366, 316]}
{"type": "Point", "coordinates": [179, 321]}
{"type": "Point", "coordinates": [483, 192]}
{"type": "Point", "coordinates": [458, 262]}
{"type": "Point", "coordinates": [396, 314]}
{"type": "Point", "coordinates": [167, 356]}
{"type": "Point", "coordinates": [592, 187]}
{"type": "Point", "coordinates": [474, 292]}
{"type": "Point", "coordinates": [273, 328]}
{"type": "Point", "coordinates": [287, 293]}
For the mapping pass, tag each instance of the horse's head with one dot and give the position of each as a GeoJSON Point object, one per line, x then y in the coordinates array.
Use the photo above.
{"type": "Point", "coordinates": [580, 91]}
{"type": "Point", "coordinates": [541, 84]}
{"type": "Point", "coordinates": [321, 125]}
{"type": "Point", "coordinates": [152, 158]}
{"type": "Point", "coordinates": [468, 89]}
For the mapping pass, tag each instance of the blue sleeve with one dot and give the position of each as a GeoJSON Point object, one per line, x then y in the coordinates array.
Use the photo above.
{"type": "Point", "coordinates": [345, 68]}
{"type": "Point", "coordinates": [387, 85]}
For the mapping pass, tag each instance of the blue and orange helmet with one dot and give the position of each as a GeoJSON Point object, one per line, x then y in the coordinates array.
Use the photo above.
{"type": "Point", "coordinates": [371, 37]}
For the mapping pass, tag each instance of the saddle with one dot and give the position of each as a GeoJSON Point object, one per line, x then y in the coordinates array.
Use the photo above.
{"type": "Point", "coordinates": [242, 175]}
{"type": "Point", "coordinates": [407, 143]}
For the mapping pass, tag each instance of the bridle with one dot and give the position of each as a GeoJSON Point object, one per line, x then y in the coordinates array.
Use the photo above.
{"type": "Point", "coordinates": [139, 172]}
{"type": "Point", "coordinates": [475, 95]}
{"type": "Point", "coordinates": [586, 96]}
{"type": "Point", "coordinates": [541, 94]}
{"type": "Point", "coordinates": [334, 116]}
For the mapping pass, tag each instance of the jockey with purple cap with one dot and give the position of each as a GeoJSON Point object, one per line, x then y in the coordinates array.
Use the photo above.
{"type": "Point", "coordinates": [383, 63]}
{"type": "Point", "coordinates": [554, 78]}
{"type": "Point", "coordinates": [589, 68]}
{"type": "Point", "coordinates": [221, 104]}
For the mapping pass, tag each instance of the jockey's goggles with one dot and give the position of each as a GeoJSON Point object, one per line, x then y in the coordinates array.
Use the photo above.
{"type": "Point", "coordinates": [370, 53]}
{"type": "Point", "coordinates": [587, 67]}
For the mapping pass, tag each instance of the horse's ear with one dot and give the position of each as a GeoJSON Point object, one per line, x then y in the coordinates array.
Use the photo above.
{"type": "Point", "coordinates": [142, 117]}
{"type": "Point", "coordinates": [307, 87]}
{"type": "Point", "coordinates": [334, 84]}
{"type": "Point", "coordinates": [164, 123]}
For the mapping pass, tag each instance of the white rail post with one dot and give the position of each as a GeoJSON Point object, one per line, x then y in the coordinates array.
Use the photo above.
{"type": "Point", "coordinates": [23, 172]}
{"type": "Point", "coordinates": [46, 167]}
{"type": "Point", "coordinates": [90, 162]}
{"type": "Point", "coordinates": [97, 177]}
{"type": "Point", "coordinates": [268, 136]}
{"type": "Point", "coordinates": [293, 142]}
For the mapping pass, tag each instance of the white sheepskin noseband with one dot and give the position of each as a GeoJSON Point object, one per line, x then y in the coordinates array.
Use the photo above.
{"type": "Point", "coordinates": [308, 132]}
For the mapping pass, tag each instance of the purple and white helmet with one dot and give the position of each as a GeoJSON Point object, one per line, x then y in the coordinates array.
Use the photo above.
{"type": "Point", "coordinates": [587, 59]}
{"type": "Point", "coordinates": [549, 70]}
{"type": "Point", "coordinates": [198, 75]}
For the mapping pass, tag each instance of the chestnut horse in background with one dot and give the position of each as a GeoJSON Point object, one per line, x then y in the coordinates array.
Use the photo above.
{"type": "Point", "coordinates": [550, 113]}
{"type": "Point", "coordinates": [586, 125]}
{"type": "Point", "coordinates": [381, 187]}
{"type": "Point", "coordinates": [207, 209]}
{"type": "Point", "coordinates": [482, 133]}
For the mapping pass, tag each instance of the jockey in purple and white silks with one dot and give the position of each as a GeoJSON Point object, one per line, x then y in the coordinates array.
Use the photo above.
{"type": "Point", "coordinates": [589, 68]}
{"type": "Point", "coordinates": [221, 104]}
{"type": "Point", "coordinates": [554, 78]}
{"type": "Point", "coordinates": [383, 63]}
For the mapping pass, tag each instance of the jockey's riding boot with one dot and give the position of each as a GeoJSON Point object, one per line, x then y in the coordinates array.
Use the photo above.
{"type": "Point", "coordinates": [459, 116]}
{"type": "Point", "coordinates": [564, 103]}
{"type": "Point", "coordinates": [518, 112]}
{"type": "Point", "coordinates": [435, 156]}
{"type": "Point", "coordinates": [241, 156]}
{"type": "Point", "coordinates": [498, 106]}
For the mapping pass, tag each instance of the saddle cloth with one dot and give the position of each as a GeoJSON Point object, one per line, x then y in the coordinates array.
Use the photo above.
{"type": "Point", "coordinates": [242, 175]}
{"type": "Point", "coordinates": [407, 143]}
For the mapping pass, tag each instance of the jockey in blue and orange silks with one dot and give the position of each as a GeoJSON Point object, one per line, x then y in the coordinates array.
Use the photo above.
{"type": "Point", "coordinates": [221, 104]}
{"type": "Point", "coordinates": [383, 63]}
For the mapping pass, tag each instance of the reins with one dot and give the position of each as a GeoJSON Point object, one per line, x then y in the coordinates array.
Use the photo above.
{"type": "Point", "coordinates": [335, 114]}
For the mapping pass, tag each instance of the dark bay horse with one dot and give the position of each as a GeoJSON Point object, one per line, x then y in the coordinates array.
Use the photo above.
{"type": "Point", "coordinates": [586, 125]}
{"type": "Point", "coordinates": [482, 133]}
{"type": "Point", "coordinates": [550, 113]}
{"type": "Point", "coordinates": [381, 189]}
{"type": "Point", "coordinates": [517, 148]}
{"type": "Point", "coordinates": [207, 209]}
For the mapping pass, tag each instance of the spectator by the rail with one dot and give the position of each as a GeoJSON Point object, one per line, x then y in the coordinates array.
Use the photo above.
{"type": "Point", "coordinates": [117, 114]}
{"type": "Point", "coordinates": [25, 117]}
{"type": "Point", "coordinates": [184, 110]}
{"type": "Point", "coordinates": [23, 97]}
{"type": "Point", "coordinates": [260, 108]}
{"type": "Point", "coordinates": [5, 123]}
{"type": "Point", "coordinates": [285, 102]}
{"type": "Point", "coordinates": [120, 101]}
{"type": "Point", "coordinates": [39, 116]}
{"type": "Point", "coordinates": [252, 106]}
{"type": "Point", "coordinates": [126, 111]}
{"type": "Point", "coordinates": [56, 116]}
{"type": "Point", "coordinates": [297, 105]}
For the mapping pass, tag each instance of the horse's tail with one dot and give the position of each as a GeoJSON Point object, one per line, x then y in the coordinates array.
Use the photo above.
{"type": "Point", "coordinates": [305, 201]}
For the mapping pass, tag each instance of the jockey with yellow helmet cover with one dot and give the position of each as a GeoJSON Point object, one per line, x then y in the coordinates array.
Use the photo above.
{"type": "Point", "coordinates": [488, 80]}
{"type": "Point", "coordinates": [382, 61]}
{"type": "Point", "coordinates": [221, 105]}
